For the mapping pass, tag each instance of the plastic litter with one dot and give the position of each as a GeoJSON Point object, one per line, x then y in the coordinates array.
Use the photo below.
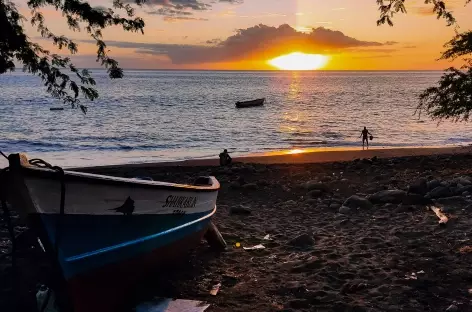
{"type": "Point", "coordinates": [214, 290]}
{"type": "Point", "coordinates": [172, 305]}
{"type": "Point", "coordinates": [237, 245]}
{"type": "Point", "coordinates": [254, 247]}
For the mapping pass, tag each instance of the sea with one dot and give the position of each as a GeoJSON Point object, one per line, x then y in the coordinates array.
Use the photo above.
{"type": "Point", "coordinates": [159, 116]}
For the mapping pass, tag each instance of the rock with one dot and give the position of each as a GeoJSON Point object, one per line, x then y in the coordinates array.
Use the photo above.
{"type": "Point", "coordinates": [355, 202]}
{"type": "Point", "coordinates": [250, 186]}
{"type": "Point", "coordinates": [433, 184]}
{"type": "Point", "coordinates": [375, 158]}
{"type": "Point", "coordinates": [415, 199]}
{"type": "Point", "coordinates": [367, 161]}
{"type": "Point", "coordinates": [299, 304]}
{"type": "Point", "coordinates": [241, 210]}
{"type": "Point", "coordinates": [314, 185]}
{"type": "Point", "coordinates": [311, 201]}
{"type": "Point", "coordinates": [455, 201]}
{"type": "Point", "coordinates": [304, 240]}
{"type": "Point", "coordinates": [235, 185]}
{"type": "Point", "coordinates": [440, 191]}
{"type": "Point", "coordinates": [404, 208]}
{"type": "Point", "coordinates": [466, 193]}
{"type": "Point", "coordinates": [419, 187]}
{"type": "Point", "coordinates": [344, 210]}
{"type": "Point", "coordinates": [461, 189]}
{"type": "Point", "coordinates": [322, 207]}
{"type": "Point", "coordinates": [388, 196]}
{"type": "Point", "coordinates": [335, 206]}
{"type": "Point", "coordinates": [314, 193]}
{"type": "Point", "coordinates": [289, 203]}
{"type": "Point", "coordinates": [452, 308]}
{"type": "Point", "coordinates": [389, 206]}
{"type": "Point", "coordinates": [462, 180]}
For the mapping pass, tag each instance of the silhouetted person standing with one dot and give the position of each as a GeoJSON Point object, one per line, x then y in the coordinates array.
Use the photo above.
{"type": "Point", "coordinates": [365, 137]}
{"type": "Point", "coordinates": [225, 159]}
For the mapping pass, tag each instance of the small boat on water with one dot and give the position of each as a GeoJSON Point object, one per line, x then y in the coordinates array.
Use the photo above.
{"type": "Point", "coordinates": [110, 232]}
{"type": "Point", "coordinates": [253, 103]}
{"type": "Point", "coordinates": [56, 108]}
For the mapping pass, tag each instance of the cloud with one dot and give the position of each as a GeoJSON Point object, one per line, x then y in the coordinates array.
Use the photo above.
{"type": "Point", "coordinates": [174, 10]}
{"type": "Point", "coordinates": [260, 42]}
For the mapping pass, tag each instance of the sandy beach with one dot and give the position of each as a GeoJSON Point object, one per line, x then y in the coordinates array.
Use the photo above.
{"type": "Point", "coordinates": [335, 239]}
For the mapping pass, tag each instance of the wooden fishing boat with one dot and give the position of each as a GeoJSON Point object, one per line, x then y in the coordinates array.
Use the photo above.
{"type": "Point", "coordinates": [112, 231]}
{"type": "Point", "coordinates": [253, 103]}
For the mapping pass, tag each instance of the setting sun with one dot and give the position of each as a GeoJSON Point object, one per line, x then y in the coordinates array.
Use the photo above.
{"type": "Point", "coordinates": [299, 61]}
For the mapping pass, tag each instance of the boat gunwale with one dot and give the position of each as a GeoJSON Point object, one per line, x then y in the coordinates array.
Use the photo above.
{"type": "Point", "coordinates": [74, 176]}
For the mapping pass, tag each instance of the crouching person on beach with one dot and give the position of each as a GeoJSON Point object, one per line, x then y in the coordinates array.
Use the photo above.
{"type": "Point", "coordinates": [225, 159]}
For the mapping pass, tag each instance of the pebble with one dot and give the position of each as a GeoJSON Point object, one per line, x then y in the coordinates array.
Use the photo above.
{"type": "Point", "coordinates": [304, 240]}
{"type": "Point", "coordinates": [452, 308]}
{"type": "Point", "coordinates": [344, 210]}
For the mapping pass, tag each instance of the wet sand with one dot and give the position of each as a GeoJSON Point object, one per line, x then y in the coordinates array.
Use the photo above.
{"type": "Point", "coordinates": [391, 255]}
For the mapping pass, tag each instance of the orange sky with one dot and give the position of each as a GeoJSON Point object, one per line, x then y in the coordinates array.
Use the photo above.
{"type": "Point", "coordinates": [207, 37]}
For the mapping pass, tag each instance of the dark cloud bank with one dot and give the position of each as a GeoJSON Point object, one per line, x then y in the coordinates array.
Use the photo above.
{"type": "Point", "coordinates": [258, 42]}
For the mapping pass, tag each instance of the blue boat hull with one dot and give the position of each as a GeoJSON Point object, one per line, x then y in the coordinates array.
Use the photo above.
{"type": "Point", "coordinates": [89, 242]}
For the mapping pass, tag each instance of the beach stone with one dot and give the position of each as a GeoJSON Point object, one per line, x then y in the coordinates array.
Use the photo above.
{"type": "Point", "coordinates": [315, 185]}
{"type": "Point", "coordinates": [433, 184]}
{"type": "Point", "coordinates": [314, 193]}
{"type": "Point", "coordinates": [440, 191]}
{"type": "Point", "coordinates": [250, 186]}
{"type": "Point", "coordinates": [235, 185]}
{"type": "Point", "coordinates": [355, 202]}
{"type": "Point", "coordinates": [456, 201]}
{"type": "Point", "coordinates": [344, 210]}
{"type": "Point", "coordinates": [289, 203]}
{"type": "Point", "coordinates": [452, 308]}
{"type": "Point", "coordinates": [415, 199]}
{"type": "Point", "coordinates": [311, 202]}
{"type": "Point", "coordinates": [367, 161]}
{"type": "Point", "coordinates": [462, 180]}
{"type": "Point", "coordinates": [304, 240]}
{"type": "Point", "coordinates": [335, 206]}
{"type": "Point", "coordinates": [461, 189]}
{"type": "Point", "coordinates": [241, 210]}
{"type": "Point", "coordinates": [299, 304]}
{"type": "Point", "coordinates": [419, 187]}
{"type": "Point", "coordinates": [387, 196]}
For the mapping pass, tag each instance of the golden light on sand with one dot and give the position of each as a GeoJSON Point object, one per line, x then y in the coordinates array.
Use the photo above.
{"type": "Point", "coordinates": [300, 61]}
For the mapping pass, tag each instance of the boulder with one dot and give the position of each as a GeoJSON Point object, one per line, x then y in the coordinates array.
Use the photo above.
{"type": "Point", "coordinates": [315, 185]}
{"type": "Point", "coordinates": [439, 192]}
{"type": "Point", "coordinates": [419, 187]}
{"type": "Point", "coordinates": [355, 202]}
{"type": "Point", "coordinates": [388, 196]}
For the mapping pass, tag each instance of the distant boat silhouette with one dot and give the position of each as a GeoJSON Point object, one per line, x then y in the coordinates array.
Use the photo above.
{"type": "Point", "coordinates": [56, 108]}
{"type": "Point", "coordinates": [253, 103]}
